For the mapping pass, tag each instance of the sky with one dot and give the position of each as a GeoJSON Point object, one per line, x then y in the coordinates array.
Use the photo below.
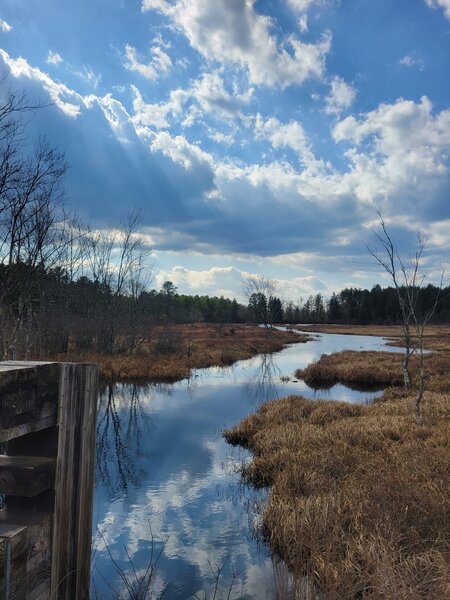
{"type": "Point", "coordinates": [255, 136]}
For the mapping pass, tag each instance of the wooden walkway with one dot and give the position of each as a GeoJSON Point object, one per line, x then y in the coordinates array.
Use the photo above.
{"type": "Point", "coordinates": [47, 452]}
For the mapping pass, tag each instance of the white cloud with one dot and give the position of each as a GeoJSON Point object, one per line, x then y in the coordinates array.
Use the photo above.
{"type": "Point", "coordinates": [54, 58]}
{"type": "Point", "coordinates": [227, 281]}
{"type": "Point", "coordinates": [398, 148]}
{"type": "Point", "coordinates": [64, 98]}
{"type": "Point", "coordinates": [216, 281]}
{"type": "Point", "coordinates": [88, 75]}
{"type": "Point", "coordinates": [303, 6]}
{"type": "Point", "coordinates": [409, 61]}
{"type": "Point", "coordinates": [401, 127]}
{"type": "Point", "coordinates": [303, 23]}
{"type": "Point", "coordinates": [159, 64]}
{"type": "Point", "coordinates": [290, 135]}
{"type": "Point", "coordinates": [233, 32]}
{"type": "Point", "coordinates": [4, 26]}
{"type": "Point", "coordinates": [116, 116]}
{"type": "Point", "coordinates": [156, 115]}
{"type": "Point", "coordinates": [445, 4]}
{"type": "Point", "coordinates": [210, 93]}
{"type": "Point", "coordinates": [180, 150]}
{"type": "Point", "coordinates": [341, 96]}
{"type": "Point", "coordinates": [222, 138]}
{"type": "Point", "coordinates": [297, 287]}
{"type": "Point", "coordinates": [71, 102]}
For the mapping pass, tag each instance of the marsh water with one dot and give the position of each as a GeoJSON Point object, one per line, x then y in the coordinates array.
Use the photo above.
{"type": "Point", "coordinates": [168, 498]}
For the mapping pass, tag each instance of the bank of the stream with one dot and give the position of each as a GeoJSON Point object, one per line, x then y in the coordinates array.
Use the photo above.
{"type": "Point", "coordinates": [171, 352]}
{"type": "Point", "coordinates": [358, 499]}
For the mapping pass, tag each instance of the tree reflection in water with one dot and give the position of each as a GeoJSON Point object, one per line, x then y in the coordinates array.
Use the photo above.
{"type": "Point", "coordinates": [263, 385]}
{"type": "Point", "coordinates": [121, 422]}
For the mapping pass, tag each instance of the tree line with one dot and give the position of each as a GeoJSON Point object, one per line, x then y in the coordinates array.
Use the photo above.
{"type": "Point", "coordinates": [378, 306]}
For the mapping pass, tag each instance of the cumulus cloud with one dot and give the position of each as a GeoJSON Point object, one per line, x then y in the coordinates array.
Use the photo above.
{"type": "Point", "coordinates": [290, 135]}
{"type": "Point", "coordinates": [209, 91]}
{"type": "Point", "coordinates": [234, 33]}
{"type": "Point", "coordinates": [216, 281]}
{"type": "Point", "coordinates": [444, 4]}
{"type": "Point", "coordinates": [4, 26]}
{"type": "Point", "coordinates": [227, 281]}
{"type": "Point", "coordinates": [160, 63]}
{"type": "Point", "coordinates": [54, 58]}
{"type": "Point", "coordinates": [341, 96]}
{"type": "Point", "coordinates": [398, 148]}
{"type": "Point", "coordinates": [180, 150]}
{"type": "Point", "coordinates": [157, 114]}
{"type": "Point", "coordinates": [207, 94]}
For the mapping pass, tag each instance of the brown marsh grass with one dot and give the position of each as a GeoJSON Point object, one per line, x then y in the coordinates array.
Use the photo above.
{"type": "Point", "coordinates": [170, 352]}
{"type": "Point", "coordinates": [359, 502]}
{"type": "Point", "coordinates": [375, 368]}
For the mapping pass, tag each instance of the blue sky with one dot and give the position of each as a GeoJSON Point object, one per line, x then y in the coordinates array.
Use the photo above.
{"type": "Point", "coordinates": [255, 136]}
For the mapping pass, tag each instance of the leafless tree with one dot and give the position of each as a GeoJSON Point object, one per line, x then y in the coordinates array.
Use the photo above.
{"type": "Point", "coordinates": [30, 208]}
{"type": "Point", "coordinates": [117, 259]}
{"type": "Point", "coordinates": [407, 278]}
{"type": "Point", "coordinates": [260, 292]}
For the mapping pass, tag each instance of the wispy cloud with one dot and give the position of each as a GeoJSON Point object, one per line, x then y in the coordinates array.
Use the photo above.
{"type": "Point", "coordinates": [4, 26]}
{"type": "Point", "coordinates": [54, 58]}
{"type": "Point", "coordinates": [160, 63]}
{"type": "Point", "coordinates": [409, 61]}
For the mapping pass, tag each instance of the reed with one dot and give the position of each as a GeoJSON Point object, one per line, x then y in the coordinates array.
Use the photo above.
{"type": "Point", "coordinates": [374, 368]}
{"type": "Point", "coordinates": [359, 502]}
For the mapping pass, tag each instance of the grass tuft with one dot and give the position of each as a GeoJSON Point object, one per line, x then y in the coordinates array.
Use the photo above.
{"type": "Point", "coordinates": [359, 500]}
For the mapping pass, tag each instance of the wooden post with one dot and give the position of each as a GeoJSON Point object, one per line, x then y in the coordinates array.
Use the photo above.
{"type": "Point", "coordinates": [74, 488]}
{"type": "Point", "coordinates": [47, 418]}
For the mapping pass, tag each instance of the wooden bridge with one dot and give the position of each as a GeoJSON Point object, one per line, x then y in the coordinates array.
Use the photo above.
{"type": "Point", "coordinates": [47, 453]}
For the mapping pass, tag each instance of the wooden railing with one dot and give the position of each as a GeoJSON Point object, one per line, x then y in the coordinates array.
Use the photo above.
{"type": "Point", "coordinates": [47, 454]}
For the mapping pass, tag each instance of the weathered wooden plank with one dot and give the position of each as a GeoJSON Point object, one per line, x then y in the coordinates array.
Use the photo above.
{"type": "Point", "coordinates": [26, 537]}
{"type": "Point", "coordinates": [28, 399]}
{"type": "Point", "coordinates": [74, 482]}
{"type": "Point", "coordinates": [39, 541]}
{"type": "Point", "coordinates": [2, 568]}
{"type": "Point", "coordinates": [38, 580]}
{"type": "Point", "coordinates": [26, 475]}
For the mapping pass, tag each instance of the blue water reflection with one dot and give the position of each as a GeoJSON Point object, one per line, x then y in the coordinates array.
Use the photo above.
{"type": "Point", "coordinates": [167, 484]}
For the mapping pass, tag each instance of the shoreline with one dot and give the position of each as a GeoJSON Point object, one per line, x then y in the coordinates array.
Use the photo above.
{"type": "Point", "coordinates": [170, 353]}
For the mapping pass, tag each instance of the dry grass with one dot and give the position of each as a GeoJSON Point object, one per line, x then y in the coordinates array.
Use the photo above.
{"type": "Point", "coordinates": [170, 353]}
{"type": "Point", "coordinates": [359, 500]}
{"type": "Point", "coordinates": [437, 337]}
{"type": "Point", "coordinates": [374, 368]}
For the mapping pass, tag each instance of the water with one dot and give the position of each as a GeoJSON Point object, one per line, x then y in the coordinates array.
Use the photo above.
{"type": "Point", "coordinates": [167, 484]}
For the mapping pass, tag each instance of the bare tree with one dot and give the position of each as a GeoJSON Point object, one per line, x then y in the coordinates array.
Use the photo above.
{"type": "Point", "coordinates": [117, 260]}
{"type": "Point", "coordinates": [260, 292]}
{"type": "Point", "coordinates": [407, 279]}
{"type": "Point", "coordinates": [30, 209]}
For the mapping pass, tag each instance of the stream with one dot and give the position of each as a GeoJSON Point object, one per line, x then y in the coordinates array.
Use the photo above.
{"type": "Point", "coordinates": [168, 498]}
